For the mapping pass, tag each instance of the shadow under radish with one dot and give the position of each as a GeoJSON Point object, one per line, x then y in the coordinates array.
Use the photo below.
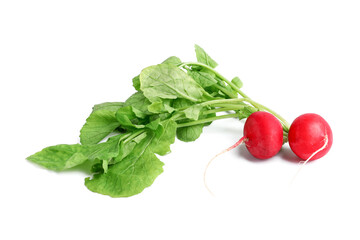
{"type": "Point", "coordinates": [287, 155]}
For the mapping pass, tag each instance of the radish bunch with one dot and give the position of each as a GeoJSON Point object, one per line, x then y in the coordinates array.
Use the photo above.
{"type": "Point", "coordinates": [121, 141]}
{"type": "Point", "coordinates": [309, 136]}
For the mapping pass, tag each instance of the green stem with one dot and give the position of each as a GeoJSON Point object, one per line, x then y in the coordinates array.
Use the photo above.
{"type": "Point", "coordinates": [124, 136]}
{"type": "Point", "coordinates": [233, 86]}
{"type": "Point", "coordinates": [179, 117]}
{"type": "Point", "coordinates": [285, 124]}
{"type": "Point", "coordinates": [221, 101]}
{"type": "Point", "coordinates": [205, 120]}
{"type": "Point", "coordinates": [232, 106]}
{"type": "Point", "coordinates": [134, 135]}
{"type": "Point", "coordinates": [214, 103]}
{"type": "Point", "coordinates": [222, 109]}
{"type": "Point", "coordinates": [224, 90]}
{"type": "Point", "coordinates": [208, 94]}
{"type": "Point", "coordinates": [259, 106]}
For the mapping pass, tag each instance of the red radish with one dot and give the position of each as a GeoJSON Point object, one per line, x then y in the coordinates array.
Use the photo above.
{"type": "Point", "coordinates": [310, 137]}
{"type": "Point", "coordinates": [263, 137]}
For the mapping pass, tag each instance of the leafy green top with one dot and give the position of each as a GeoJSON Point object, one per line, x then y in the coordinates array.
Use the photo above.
{"type": "Point", "coordinates": [172, 99]}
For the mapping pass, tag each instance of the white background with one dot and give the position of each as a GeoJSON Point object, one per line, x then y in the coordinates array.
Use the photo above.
{"type": "Point", "coordinates": [59, 58]}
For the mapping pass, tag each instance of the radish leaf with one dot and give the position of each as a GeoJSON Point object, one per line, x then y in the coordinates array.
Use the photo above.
{"type": "Point", "coordinates": [132, 174]}
{"type": "Point", "coordinates": [64, 156]}
{"type": "Point", "coordinates": [189, 134]}
{"type": "Point", "coordinates": [164, 137]}
{"type": "Point", "coordinates": [203, 57]}
{"type": "Point", "coordinates": [111, 106]}
{"type": "Point", "coordinates": [204, 79]}
{"type": "Point", "coordinates": [138, 101]}
{"type": "Point", "coordinates": [98, 125]}
{"type": "Point", "coordinates": [172, 60]}
{"type": "Point", "coordinates": [165, 81]}
{"type": "Point", "coordinates": [60, 157]}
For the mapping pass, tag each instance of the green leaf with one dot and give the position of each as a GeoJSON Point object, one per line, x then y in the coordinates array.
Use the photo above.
{"type": "Point", "coordinates": [166, 81]}
{"type": "Point", "coordinates": [136, 167]}
{"type": "Point", "coordinates": [131, 175]}
{"type": "Point", "coordinates": [139, 102]}
{"type": "Point", "coordinates": [126, 147]}
{"type": "Point", "coordinates": [110, 106]}
{"type": "Point", "coordinates": [105, 150]}
{"type": "Point", "coordinates": [154, 124]}
{"type": "Point", "coordinates": [203, 57]}
{"type": "Point", "coordinates": [60, 157]}
{"type": "Point", "coordinates": [164, 137]}
{"type": "Point", "coordinates": [204, 79]}
{"type": "Point", "coordinates": [193, 112]}
{"type": "Point", "coordinates": [237, 82]}
{"type": "Point", "coordinates": [127, 118]}
{"type": "Point", "coordinates": [181, 103]}
{"type": "Point", "coordinates": [172, 60]}
{"type": "Point", "coordinates": [136, 82]}
{"type": "Point", "coordinates": [162, 116]}
{"type": "Point", "coordinates": [161, 106]}
{"type": "Point", "coordinates": [99, 124]}
{"type": "Point", "coordinates": [64, 156]}
{"type": "Point", "coordinates": [189, 134]}
{"type": "Point", "coordinates": [97, 168]}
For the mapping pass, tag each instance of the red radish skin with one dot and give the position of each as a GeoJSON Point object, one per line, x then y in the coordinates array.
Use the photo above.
{"type": "Point", "coordinates": [309, 134]}
{"type": "Point", "coordinates": [263, 135]}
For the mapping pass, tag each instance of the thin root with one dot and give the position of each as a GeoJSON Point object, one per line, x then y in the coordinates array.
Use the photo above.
{"type": "Point", "coordinates": [241, 140]}
{"type": "Point", "coordinates": [307, 160]}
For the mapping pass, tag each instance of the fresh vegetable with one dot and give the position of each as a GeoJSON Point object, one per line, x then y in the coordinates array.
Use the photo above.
{"type": "Point", "coordinates": [263, 137]}
{"type": "Point", "coordinates": [122, 140]}
{"type": "Point", "coordinates": [310, 137]}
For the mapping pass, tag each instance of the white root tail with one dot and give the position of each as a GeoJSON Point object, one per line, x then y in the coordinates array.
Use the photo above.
{"type": "Point", "coordinates": [241, 140]}
{"type": "Point", "coordinates": [326, 139]}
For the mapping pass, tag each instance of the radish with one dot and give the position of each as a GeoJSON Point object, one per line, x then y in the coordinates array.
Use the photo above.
{"type": "Point", "coordinates": [263, 137]}
{"type": "Point", "coordinates": [310, 137]}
